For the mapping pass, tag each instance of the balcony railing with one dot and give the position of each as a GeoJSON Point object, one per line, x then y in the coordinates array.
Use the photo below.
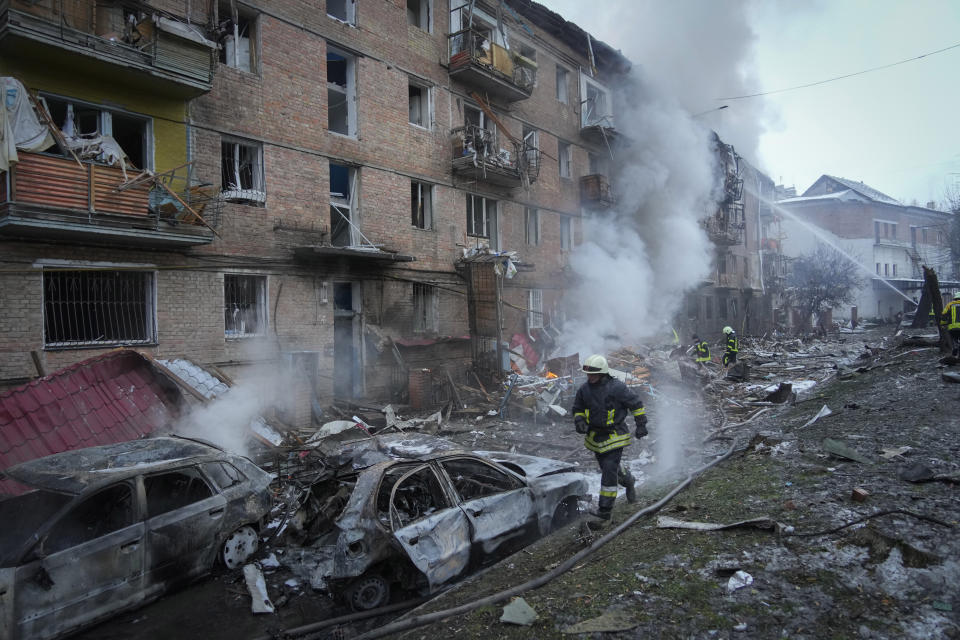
{"type": "Point", "coordinates": [595, 191]}
{"type": "Point", "coordinates": [54, 198]}
{"type": "Point", "coordinates": [722, 232]}
{"type": "Point", "coordinates": [132, 36]}
{"type": "Point", "coordinates": [477, 155]}
{"type": "Point", "coordinates": [478, 61]}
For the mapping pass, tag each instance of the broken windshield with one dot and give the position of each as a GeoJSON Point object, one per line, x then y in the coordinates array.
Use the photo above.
{"type": "Point", "coordinates": [22, 516]}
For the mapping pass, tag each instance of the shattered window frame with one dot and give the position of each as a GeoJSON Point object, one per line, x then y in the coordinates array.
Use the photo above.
{"type": "Point", "coordinates": [438, 492]}
{"type": "Point", "coordinates": [425, 308]}
{"type": "Point", "coordinates": [241, 171]}
{"type": "Point", "coordinates": [244, 31]}
{"type": "Point", "coordinates": [564, 159]}
{"type": "Point", "coordinates": [420, 107]}
{"type": "Point", "coordinates": [420, 14]}
{"type": "Point", "coordinates": [566, 233]}
{"type": "Point", "coordinates": [482, 219]}
{"type": "Point", "coordinates": [461, 481]}
{"type": "Point", "coordinates": [162, 494]}
{"type": "Point", "coordinates": [421, 205]}
{"type": "Point", "coordinates": [344, 193]}
{"type": "Point", "coordinates": [531, 226]}
{"type": "Point", "coordinates": [341, 91]}
{"type": "Point", "coordinates": [596, 106]}
{"type": "Point", "coordinates": [563, 85]}
{"type": "Point", "coordinates": [132, 131]}
{"type": "Point", "coordinates": [98, 307]}
{"type": "Point", "coordinates": [244, 304]}
{"type": "Point", "coordinates": [346, 11]}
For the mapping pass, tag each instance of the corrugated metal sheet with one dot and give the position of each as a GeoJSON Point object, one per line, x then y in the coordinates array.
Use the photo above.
{"type": "Point", "coordinates": [114, 397]}
{"type": "Point", "coordinates": [51, 181]}
{"type": "Point", "coordinates": [183, 57]}
{"type": "Point", "coordinates": [106, 199]}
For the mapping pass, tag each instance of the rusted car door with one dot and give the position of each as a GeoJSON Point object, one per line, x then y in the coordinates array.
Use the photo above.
{"type": "Point", "coordinates": [433, 532]}
{"type": "Point", "coordinates": [499, 505]}
{"type": "Point", "coordinates": [185, 517]}
{"type": "Point", "coordinates": [90, 564]}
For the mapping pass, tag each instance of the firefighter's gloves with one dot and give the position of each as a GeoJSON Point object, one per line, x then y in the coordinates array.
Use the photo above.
{"type": "Point", "coordinates": [641, 421]}
{"type": "Point", "coordinates": [580, 424]}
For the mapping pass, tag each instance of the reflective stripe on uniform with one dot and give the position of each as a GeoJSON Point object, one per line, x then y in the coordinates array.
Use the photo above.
{"type": "Point", "coordinates": [609, 492]}
{"type": "Point", "coordinates": [612, 441]}
{"type": "Point", "coordinates": [639, 412]}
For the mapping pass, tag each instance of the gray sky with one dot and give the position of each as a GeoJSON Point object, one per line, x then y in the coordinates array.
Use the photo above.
{"type": "Point", "coordinates": [896, 129]}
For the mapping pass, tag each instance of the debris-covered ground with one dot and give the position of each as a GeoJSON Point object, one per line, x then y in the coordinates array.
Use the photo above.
{"type": "Point", "coordinates": [881, 458]}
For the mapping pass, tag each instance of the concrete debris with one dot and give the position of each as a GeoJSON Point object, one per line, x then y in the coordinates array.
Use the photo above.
{"type": "Point", "coordinates": [823, 413]}
{"type": "Point", "coordinates": [889, 453]}
{"type": "Point", "coordinates": [519, 612]}
{"type": "Point", "coordinates": [257, 586]}
{"type": "Point", "coordinates": [841, 450]}
{"type": "Point", "coordinates": [739, 580]}
{"type": "Point", "coordinates": [609, 622]}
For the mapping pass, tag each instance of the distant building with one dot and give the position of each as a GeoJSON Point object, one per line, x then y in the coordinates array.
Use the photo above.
{"type": "Point", "coordinates": [890, 240]}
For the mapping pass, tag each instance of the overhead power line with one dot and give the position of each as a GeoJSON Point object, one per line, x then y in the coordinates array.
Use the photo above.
{"type": "Point", "coordinates": [849, 75]}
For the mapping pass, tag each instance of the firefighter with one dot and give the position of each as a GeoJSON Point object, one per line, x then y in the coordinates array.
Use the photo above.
{"type": "Point", "coordinates": [600, 411]}
{"type": "Point", "coordinates": [701, 349]}
{"type": "Point", "coordinates": [951, 320]}
{"type": "Point", "coordinates": [732, 347]}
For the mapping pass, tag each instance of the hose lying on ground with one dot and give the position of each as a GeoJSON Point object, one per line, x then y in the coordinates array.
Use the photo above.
{"type": "Point", "coordinates": [563, 567]}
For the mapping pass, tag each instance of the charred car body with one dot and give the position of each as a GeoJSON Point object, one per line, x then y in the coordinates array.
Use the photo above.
{"type": "Point", "coordinates": [109, 528]}
{"type": "Point", "coordinates": [413, 510]}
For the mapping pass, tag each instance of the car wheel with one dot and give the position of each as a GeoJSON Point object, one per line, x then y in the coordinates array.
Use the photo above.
{"type": "Point", "coordinates": [368, 592]}
{"type": "Point", "coordinates": [565, 513]}
{"type": "Point", "coordinates": [239, 546]}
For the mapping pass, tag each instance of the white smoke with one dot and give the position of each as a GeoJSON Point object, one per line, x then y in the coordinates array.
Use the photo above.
{"type": "Point", "coordinates": [637, 261]}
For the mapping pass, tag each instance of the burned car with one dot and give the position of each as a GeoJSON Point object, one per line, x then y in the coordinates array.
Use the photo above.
{"type": "Point", "coordinates": [111, 527]}
{"type": "Point", "coordinates": [411, 510]}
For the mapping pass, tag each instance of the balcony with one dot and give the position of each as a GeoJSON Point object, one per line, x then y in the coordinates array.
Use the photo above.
{"type": "Point", "coordinates": [722, 232]}
{"type": "Point", "coordinates": [478, 157]}
{"type": "Point", "coordinates": [595, 192]}
{"type": "Point", "coordinates": [152, 53]}
{"type": "Point", "coordinates": [774, 267]}
{"type": "Point", "coordinates": [51, 198]}
{"type": "Point", "coordinates": [477, 61]}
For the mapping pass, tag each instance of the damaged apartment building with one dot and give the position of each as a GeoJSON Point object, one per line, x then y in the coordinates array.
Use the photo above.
{"type": "Point", "coordinates": [349, 190]}
{"type": "Point", "coordinates": [744, 289]}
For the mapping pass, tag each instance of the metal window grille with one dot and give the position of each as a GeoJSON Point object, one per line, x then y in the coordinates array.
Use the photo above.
{"type": "Point", "coordinates": [90, 307]}
{"type": "Point", "coordinates": [244, 305]}
{"type": "Point", "coordinates": [535, 309]}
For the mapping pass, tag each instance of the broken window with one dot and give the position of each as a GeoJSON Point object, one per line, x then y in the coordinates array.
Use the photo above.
{"type": "Point", "coordinates": [343, 182]}
{"type": "Point", "coordinates": [421, 205]}
{"type": "Point", "coordinates": [562, 81]}
{"type": "Point", "coordinates": [596, 107]}
{"type": "Point", "coordinates": [342, 10]}
{"type": "Point", "coordinates": [534, 309]}
{"type": "Point", "coordinates": [598, 164]}
{"type": "Point", "coordinates": [480, 133]}
{"type": "Point", "coordinates": [482, 218]}
{"type": "Point", "coordinates": [419, 105]}
{"type": "Point", "coordinates": [404, 499]}
{"type": "Point", "coordinates": [531, 145]}
{"type": "Point", "coordinates": [238, 42]}
{"type": "Point", "coordinates": [169, 491]}
{"type": "Point", "coordinates": [90, 131]}
{"type": "Point", "coordinates": [733, 308]}
{"type": "Point", "coordinates": [418, 14]}
{"type": "Point", "coordinates": [708, 307]}
{"type": "Point", "coordinates": [341, 92]}
{"type": "Point", "coordinates": [721, 308]}
{"type": "Point", "coordinates": [223, 474]}
{"type": "Point", "coordinates": [425, 313]}
{"type": "Point", "coordinates": [564, 158]}
{"type": "Point", "coordinates": [531, 226]}
{"type": "Point", "coordinates": [244, 305]}
{"type": "Point", "coordinates": [93, 307]}
{"type": "Point", "coordinates": [475, 479]}
{"type": "Point", "coordinates": [525, 68]}
{"type": "Point", "coordinates": [105, 512]}
{"type": "Point", "coordinates": [241, 172]}
{"type": "Point", "coordinates": [566, 232]}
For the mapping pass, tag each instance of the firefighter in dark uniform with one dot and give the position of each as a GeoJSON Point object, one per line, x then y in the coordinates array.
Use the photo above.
{"type": "Point", "coordinates": [701, 349]}
{"type": "Point", "coordinates": [950, 318]}
{"type": "Point", "coordinates": [600, 411]}
{"type": "Point", "coordinates": [732, 347]}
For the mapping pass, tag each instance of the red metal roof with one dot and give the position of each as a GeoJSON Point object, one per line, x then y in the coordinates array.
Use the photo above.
{"type": "Point", "coordinates": [114, 397]}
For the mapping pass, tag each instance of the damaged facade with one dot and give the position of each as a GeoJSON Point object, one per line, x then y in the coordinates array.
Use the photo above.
{"type": "Point", "coordinates": [244, 185]}
{"type": "Point", "coordinates": [744, 288]}
{"type": "Point", "coordinates": [890, 240]}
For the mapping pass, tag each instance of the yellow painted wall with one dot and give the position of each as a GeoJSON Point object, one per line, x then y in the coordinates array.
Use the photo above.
{"type": "Point", "coordinates": [83, 78]}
